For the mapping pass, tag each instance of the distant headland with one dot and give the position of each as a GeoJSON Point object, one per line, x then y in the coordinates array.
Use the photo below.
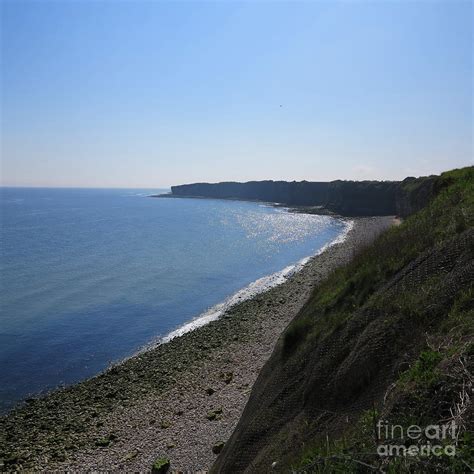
{"type": "Point", "coordinates": [346, 198]}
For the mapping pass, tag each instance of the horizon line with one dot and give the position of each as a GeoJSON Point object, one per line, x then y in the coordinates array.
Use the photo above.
{"type": "Point", "coordinates": [218, 182]}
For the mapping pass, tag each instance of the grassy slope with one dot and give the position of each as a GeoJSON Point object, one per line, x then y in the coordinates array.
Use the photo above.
{"type": "Point", "coordinates": [389, 336]}
{"type": "Point", "coordinates": [441, 376]}
{"type": "Point", "coordinates": [350, 287]}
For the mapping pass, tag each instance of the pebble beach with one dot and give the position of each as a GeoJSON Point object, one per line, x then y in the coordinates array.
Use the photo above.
{"type": "Point", "coordinates": [178, 401]}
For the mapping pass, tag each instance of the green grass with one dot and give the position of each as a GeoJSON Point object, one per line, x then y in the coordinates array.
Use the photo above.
{"type": "Point", "coordinates": [160, 466]}
{"type": "Point", "coordinates": [357, 445]}
{"type": "Point", "coordinates": [424, 371]}
{"type": "Point", "coordinates": [438, 373]}
{"type": "Point", "coordinates": [350, 287]}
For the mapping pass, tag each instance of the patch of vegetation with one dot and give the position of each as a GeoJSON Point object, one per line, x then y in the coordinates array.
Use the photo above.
{"type": "Point", "coordinates": [436, 377]}
{"type": "Point", "coordinates": [214, 414]}
{"type": "Point", "coordinates": [160, 466]}
{"type": "Point", "coordinates": [450, 212]}
{"type": "Point", "coordinates": [435, 387]}
{"type": "Point", "coordinates": [106, 440]}
{"type": "Point", "coordinates": [424, 371]}
{"type": "Point", "coordinates": [460, 319]}
{"type": "Point", "coordinates": [218, 447]}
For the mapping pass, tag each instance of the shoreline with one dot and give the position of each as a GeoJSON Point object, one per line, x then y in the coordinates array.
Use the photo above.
{"type": "Point", "coordinates": [178, 400]}
{"type": "Point", "coordinates": [252, 290]}
{"type": "Point", "coordinates": [303, 209]}
{"type": "Point", "coordinates": [200, 317]}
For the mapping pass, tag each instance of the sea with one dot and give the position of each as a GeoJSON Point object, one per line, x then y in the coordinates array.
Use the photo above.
{"type": "Point", "coordinates": [89, 277]}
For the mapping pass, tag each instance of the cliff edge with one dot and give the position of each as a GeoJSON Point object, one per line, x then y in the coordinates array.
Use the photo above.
{"type": "Point", "coordinates": [346, 198]}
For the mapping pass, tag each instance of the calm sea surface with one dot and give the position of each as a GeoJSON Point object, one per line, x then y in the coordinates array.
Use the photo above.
{"type": "Point", "coordinates": [88, 277]}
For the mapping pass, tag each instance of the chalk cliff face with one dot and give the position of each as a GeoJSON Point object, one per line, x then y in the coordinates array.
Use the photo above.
{"type": "Point", "coordinates": [347, 198]}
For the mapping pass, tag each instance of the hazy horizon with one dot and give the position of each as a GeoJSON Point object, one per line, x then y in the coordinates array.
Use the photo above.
{"type": "Point", "coordinates": [164, 187]}
{"type": "Point", "coordinates": [155, 94]}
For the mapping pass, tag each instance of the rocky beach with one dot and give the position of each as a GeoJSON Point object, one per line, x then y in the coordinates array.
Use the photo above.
{"type": "Point", "coordinates": [178, 401]}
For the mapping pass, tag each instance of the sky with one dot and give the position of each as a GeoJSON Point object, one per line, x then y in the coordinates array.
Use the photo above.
{"type": "Point", "coordinates": [153, 93]}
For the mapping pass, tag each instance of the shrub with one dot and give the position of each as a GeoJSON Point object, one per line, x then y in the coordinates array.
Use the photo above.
{"type": "Point", "coordinates": [160, 466]}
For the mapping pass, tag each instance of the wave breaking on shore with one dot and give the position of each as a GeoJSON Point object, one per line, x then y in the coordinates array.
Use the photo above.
{"type": "Point", "coordinates": [253, 289]}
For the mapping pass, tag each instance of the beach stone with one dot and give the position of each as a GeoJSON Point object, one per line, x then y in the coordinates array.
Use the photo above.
{"type": "Point", "coordinates": [210, 390]}
{"type": "Point", "coordinates": [131, 455]}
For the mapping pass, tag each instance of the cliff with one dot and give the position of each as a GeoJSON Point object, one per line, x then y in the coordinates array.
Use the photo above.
{"type": "Point", "coordinates": [387, 338]}
{"type": "Point", "coordinates": [347, 198]}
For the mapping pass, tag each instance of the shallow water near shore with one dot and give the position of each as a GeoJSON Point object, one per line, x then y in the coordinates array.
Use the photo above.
{"type": "Point", "coordinates": [91, 276]}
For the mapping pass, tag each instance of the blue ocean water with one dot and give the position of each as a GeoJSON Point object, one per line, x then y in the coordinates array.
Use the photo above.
{"type": "Point", "coordinates": [89, 276]}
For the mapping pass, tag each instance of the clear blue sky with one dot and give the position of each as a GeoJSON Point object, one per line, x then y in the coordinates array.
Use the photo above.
{"type": "Point", "coordinates": [147, 94]}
